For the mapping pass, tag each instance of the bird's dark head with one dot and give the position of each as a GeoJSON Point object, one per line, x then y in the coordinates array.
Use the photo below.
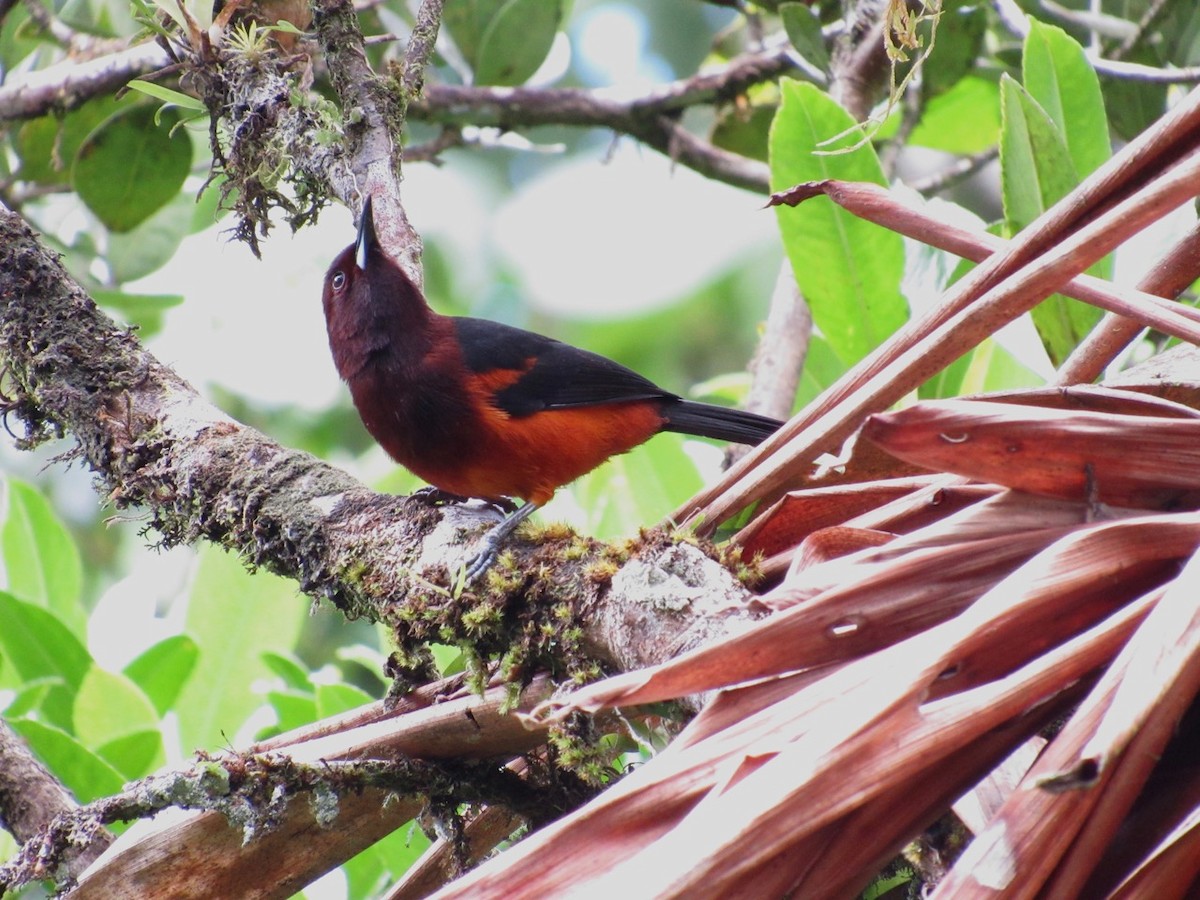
{"type": "Point", "coordinates": [369, 301]}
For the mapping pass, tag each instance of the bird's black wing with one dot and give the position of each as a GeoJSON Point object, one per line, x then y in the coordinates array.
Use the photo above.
{"type": "Point", "coordinates": [553, 374]}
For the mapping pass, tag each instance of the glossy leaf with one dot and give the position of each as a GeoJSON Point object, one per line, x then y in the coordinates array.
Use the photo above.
{"type": "Point", "coordinates": [849, 270]}
{"type": "Point", "coordinates": [162, 670]}
{"type": "Point", "coordinates": [1036, 167]}
{"type": "Point", "coordinates": [129, 168]}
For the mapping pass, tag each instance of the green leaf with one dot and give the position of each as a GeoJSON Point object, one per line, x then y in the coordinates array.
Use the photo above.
{"type": "Point", "coordinates": [803, 26]}
{"type": "Point", "coordinates": [47, 145]}
{"type": "Point", "coordinates": [165, 94]}
{"type": "Point", "coordinates": [333, 699]}
{"type": "Point", "coordinates": [40, 559]}
{"type": "Point", "coordinates": [142, 310]}
{"type": "Point", "coordinates": [292, 709]}
{"type": "Point", "coordinates": [743, 131]}
{"type": "Point", "coordinates": [515, 41]}
{"type": "Point", "coordinates": [992, 368]}
{"type": "Point", "coordinates": [37, 645]}
{"type": "Point", "coordinates": [964, 120]}
{"type": "Point", "coordinates": [234, 617]}
{"type": "Point", "coordinates": [848, 269]}
{"type": "Point", "coordinates": [371, 872]}
{"type": "Point", "coordinates": [1057, 74]}
{"type": "Point", "coordinates": [960, 33]}
{"type": "Point", "coordinates": [29, 696]}
{"type": "Point", "coordinates": [134, 755]}
{"type": "Point", "coordinates": [151, 245]}
{"type": "Point", "coordinates": [208, 211]}
{"type": "Point", "coordinates": [1036, 168]}
{"type": "Point", "coordinates": [83, 772]}
{"type": "Point", "coordinates": [162, 670]}
{"type": "Point", "coordinates": [1036, 171]}
{"type": "Point", "coordinates": [287, 667]}
{"type": "Point", "coordinates": [109, 705]}
{"type": "Point", "coordinates": [129, 168]}
{"type": "Point", "coordinates": [822, 368]}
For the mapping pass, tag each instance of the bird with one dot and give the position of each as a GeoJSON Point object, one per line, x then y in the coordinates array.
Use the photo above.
{"type": "Point", "coordinates": [483, 410]}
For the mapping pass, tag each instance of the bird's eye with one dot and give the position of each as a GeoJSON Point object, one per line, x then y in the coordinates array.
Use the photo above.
{"type": "Point", "coordinates": [338, 281]}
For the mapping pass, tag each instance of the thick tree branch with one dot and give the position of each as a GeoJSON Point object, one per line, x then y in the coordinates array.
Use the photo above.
{"type": "Point", "coordinates": [199, 474]}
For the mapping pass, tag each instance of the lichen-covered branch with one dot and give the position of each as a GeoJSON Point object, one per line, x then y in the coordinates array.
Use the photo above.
{"type": "Point", "coordinates": [557, 600]}
{"type": "Point", "coordinates": [68, 84]}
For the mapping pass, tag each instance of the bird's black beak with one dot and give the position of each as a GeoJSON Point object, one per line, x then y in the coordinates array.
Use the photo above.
{"type": "Point", "coordinates": [367, 242]}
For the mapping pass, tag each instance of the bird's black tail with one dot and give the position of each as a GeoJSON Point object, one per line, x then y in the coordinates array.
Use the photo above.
{"type": "Point", "coordinates": [719, 422]}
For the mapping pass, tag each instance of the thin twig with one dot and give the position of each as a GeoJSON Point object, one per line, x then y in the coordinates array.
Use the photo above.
{"type": "Point", "coordinates": [420, 47]}
{"type": "Point", "coordinates": [1149, 17]}
{"type": "Point", "coordinates": [958, 171]}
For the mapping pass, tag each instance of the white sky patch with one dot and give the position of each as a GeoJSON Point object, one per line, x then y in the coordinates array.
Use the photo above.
{"type": "Point", "coordinates": [609, 240]}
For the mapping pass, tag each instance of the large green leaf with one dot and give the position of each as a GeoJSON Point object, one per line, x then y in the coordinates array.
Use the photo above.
{"type": "Point", "coordinates": [1036, 172]}
{"type": "Point", "coordinates": [234, 617]}
{"type": "Point", "coordinates": [108, 706]}
{"type": "Point", "coordinates": [129, 167]}
{"type": "Point", "coordinates": [505, 41]}
{"type": "Point", "coordinates": [41, 561]}
{"type": "Point", "coordinates": [848, 269]}
{"type": "Point", "coordinates": [1058, 75]}
{"type": "Point", "coordinates": [47, 145]}
{"type": "Point", "coordinates": [36, 644]}
{"type": "Point", "coordinates": [85, 773]}
{"type": "Point", "coordinates": [162, 670]}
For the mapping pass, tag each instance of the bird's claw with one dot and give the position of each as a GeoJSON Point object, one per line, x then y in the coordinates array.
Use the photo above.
{"type": "Point", "coordinates": [480, 564]}
{"type": "Point", "coordinates": [432, 496]}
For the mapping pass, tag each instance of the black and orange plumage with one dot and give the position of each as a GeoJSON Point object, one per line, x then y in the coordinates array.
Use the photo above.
{"type": "Point", "coordinates": [484, 410]}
